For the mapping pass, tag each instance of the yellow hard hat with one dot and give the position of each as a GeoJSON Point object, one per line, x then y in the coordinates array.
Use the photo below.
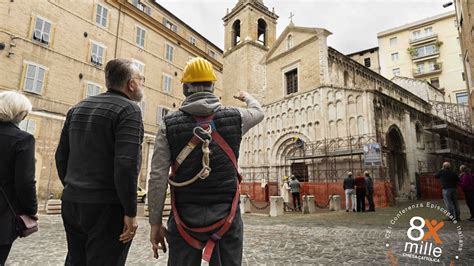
{"type": "Point", "coordinates": [198, 70]}
{"type": "Point", "coordinates": [285, 177]}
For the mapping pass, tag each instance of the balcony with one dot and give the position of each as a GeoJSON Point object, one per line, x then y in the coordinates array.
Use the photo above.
{"type": "Point", "coordinates": [417, 56]}
{"type": "Point", "coordinates": [415, 40]}
{"type": "Point", "coordinates": [433, 69]}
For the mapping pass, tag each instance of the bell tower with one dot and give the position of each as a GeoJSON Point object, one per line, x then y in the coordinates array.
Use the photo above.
{"type": "Point", "coordinates": [250, 32]}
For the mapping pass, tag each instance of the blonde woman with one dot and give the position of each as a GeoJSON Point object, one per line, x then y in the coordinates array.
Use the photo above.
{"type": "Point", "coordinates": [17, 168]}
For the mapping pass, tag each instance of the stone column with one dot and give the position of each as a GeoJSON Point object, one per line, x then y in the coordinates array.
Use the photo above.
{"type": "Point", "coordinates": [334, 203]}
{"type": "Point", "coordinates": [308, 204]}
{"type": "Point", "coordinates": [410, 150]}
{"type": "Point", "coordinates": [244, 204]}
{"type": "Point", "coordinates": [276, 206]}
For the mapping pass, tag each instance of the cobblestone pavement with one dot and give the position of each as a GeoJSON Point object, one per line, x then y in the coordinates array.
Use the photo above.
{"type": "Point", "coordinates": [323, 238]}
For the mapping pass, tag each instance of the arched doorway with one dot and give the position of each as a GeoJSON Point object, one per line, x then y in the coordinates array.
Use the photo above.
{"type": "Point", "coordinates": [284, 148]}
{"type": "Point", "coordinates": [396, 160]}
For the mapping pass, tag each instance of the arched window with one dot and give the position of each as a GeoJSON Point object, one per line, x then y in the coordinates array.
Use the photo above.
{"type": "Point", "coordinates": [419, 134]}
{"type": "Point", "coordinates": [262, 32]}
{"type": "Point", "coordinates": [346, 78]}
{"type": "Point", "coordinates": [289, 42]}
{"type": "Point", "coordinates": [236, 32]}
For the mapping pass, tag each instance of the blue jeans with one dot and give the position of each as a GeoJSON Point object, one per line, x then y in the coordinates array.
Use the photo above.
{"type": "Point", "coordinates": [450, 197]}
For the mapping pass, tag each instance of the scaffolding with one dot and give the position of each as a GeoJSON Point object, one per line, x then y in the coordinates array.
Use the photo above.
{"type": "Point", "coordinates": [331, 159]}
{"type": "Point", "coordinates": [453, 136]}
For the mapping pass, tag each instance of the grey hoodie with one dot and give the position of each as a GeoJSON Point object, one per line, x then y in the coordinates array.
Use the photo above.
{"type": "Point", "coordinates": [202, 104]}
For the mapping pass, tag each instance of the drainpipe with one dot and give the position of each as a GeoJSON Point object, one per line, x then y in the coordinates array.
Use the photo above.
{"type": "Point", "coordinates": [118, 27]}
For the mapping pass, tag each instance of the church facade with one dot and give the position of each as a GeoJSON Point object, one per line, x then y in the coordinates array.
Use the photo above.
{"type": "Point", "coordinates": [324, 112]}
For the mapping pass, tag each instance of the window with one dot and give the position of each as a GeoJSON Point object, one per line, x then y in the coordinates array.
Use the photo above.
{"type": "Point", "coordinates": [435, 82]}
{"type": "Point", "coordinates": [92, 89]}
{"type": "Point", "coordinates": [419, 135]}
{"type": "Point", "coordinates": [425, 50]}
{"type": "Point", "coordinates": [142, 7]}
{"type": "Point", "coordinates": [169, 50]}
{"type": "Point", "coordinates": [367, 62]}
{"type": "Point", "coordinates": [428, 31]}
{"type": "Point", "coordinates": [170, 25]}
{"type": "Point", "coordinates": [101, 15]}
{"type": "Point", "coordinates": [420, 68]}
{"type": "Point", "coordinates": [432, 65]}
{"type": "Point", "coordinates": [346, 78]}
{"type": "Point", "coordinates": [97, 54]}
{"type": "Point", "coordinates": [396, 71]}
{"type": "Point", "coordinates": [461, 98]}
{"type": "Point", "coordinates": [28, 125]}
{"type": "Point", "coordinates": [289, 42]}
{"type": "Point", "coordinates": [161, 112]}
{"type": "Point", "coordinates": [192, 40]}
{"type": "Point", "coordinates": [42, 31]}
{"type": "Point", "coordinates": [416, 34]}
{"type": "Point", "coordinates": [395, 56]}
{"type": "Point", "coordinates": [140, 65]}
{"type": "Point", "coordinates": [34, 78]}
{"type": "Point", "coordinates": [291, 78]}
{"type": "Point", "coordinates": [262, 32]}
{"type": "Point", "coordinates": [393, 41]}
{"type": "Point", "coordinates": [236, 32]}
{"type": "Point", "coordinates": [167, 82]}
{"type": "Point", "coordinates": [212, 53]}
{"type": "Point", "coordinates": [140, 39]}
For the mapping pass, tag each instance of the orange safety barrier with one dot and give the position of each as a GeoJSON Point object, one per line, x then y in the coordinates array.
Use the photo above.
{"type": "Point", "coordinates": [383, 196]}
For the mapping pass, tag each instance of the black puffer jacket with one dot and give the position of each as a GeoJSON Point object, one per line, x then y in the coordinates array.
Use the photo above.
{"type": "Point", "coordinates": [220, 185]}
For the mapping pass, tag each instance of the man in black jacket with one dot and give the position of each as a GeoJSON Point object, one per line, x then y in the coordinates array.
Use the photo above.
{"type": "Point", "coordinates": [369, 183]}
{"type": "Point", "coordinates": [98, 161]}
{"type": "Point", "coordinates": [449, 181]}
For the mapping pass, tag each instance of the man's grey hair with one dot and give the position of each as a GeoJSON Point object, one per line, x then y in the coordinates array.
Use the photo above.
{"type": "Point", "coordinates": [446, 165]}
{"type": "Point", "coordinates": [118, 72]}
{"type": "Point", "coordinates": [14, 107]}
{"type": "Point", "coordinates": [463, 168]}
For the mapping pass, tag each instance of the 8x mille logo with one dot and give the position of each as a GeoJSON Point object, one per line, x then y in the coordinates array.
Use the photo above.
{"type": "Point", "coordinates": [424, 245]}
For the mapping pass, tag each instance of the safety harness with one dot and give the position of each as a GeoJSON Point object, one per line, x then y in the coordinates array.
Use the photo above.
{"type": "Point", "coordinates": [204, 132]}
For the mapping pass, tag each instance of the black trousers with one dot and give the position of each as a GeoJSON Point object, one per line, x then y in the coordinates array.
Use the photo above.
{"type": "Point", "coordinates": [4, 251]}
{"type": "Point", "coordinates": [296, 197]}
{"type": "Point", "coordinates": [360, 194]}
{"type": "Point", "coordinates": [469, 196]}
{"type": "Point", "coordinates": [92, 232]}
{"type": "Point", "coordinates": [370, 199]}
{"type": "Point", "coordinates": [227, 251]}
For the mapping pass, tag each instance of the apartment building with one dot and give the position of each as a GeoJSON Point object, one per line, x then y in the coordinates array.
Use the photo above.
{"type": "Point", "coordinates": [465, 17]}
{"type": "Point", "coordinates": [428, 50]}
{"type": "Point", "coordinates": [55, 52]}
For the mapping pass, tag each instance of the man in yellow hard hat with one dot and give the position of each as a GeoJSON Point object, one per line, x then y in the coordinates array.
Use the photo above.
{"type": "Point", "coordinates": [200, 143]}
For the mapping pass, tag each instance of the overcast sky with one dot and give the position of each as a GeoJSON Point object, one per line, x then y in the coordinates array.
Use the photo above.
{"type": "Point", "coordinates": [353, 23]}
